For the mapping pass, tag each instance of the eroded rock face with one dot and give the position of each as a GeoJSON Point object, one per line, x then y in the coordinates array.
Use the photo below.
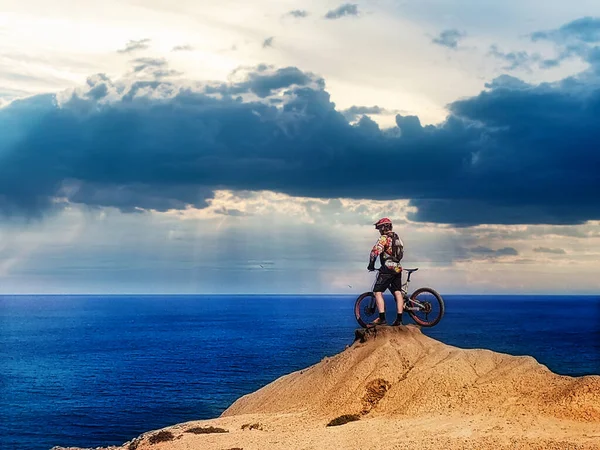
{"type": "Point", "coordinates": [375, 391]}
{"type": "Point", "coordinates": [400, 371]}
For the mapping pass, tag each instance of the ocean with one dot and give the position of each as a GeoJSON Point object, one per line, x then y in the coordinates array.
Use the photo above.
{"type": "Point", "coordinates": [99, 370]}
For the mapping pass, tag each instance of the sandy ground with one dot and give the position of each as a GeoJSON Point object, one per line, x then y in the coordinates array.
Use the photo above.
{"type": "Point", "coordinates": [407, 391]}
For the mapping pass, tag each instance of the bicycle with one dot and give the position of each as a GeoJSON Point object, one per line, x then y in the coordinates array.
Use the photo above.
{"type": "Point", "coordinates": [423, 301]}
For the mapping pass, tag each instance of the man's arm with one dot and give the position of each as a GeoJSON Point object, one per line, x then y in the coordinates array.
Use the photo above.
{"type": "Point", "coordinates": [378, 248]}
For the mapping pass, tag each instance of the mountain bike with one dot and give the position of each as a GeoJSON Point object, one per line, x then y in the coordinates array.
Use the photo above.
{"type": "Point", "coordinates": [425, 306]}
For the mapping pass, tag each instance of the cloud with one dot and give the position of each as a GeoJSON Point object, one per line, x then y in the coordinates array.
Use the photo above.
{"type": "Point", "coordinates": [230, 212]}
{"type": "Point", "coordinates": [574, 39]}
{"type": "Point", "coordinates": [144, 63]}
{"type": "Point", "coordinates": [515, 153]}
{"type": "Point", "coordinates": [298, 13]}
{"type": "Point", "coordinates": [556, 251]}
{"type": "Point", "coordinates": [155, 67]}
{"type": "Point", "coordinates": [268, 42]}
{"type": "Point", "coordinates": [585, 29]}
{"type": "Point", "coordinates": [507, 82]}
{"type": "Point", "coordinates": [9, 94]}
{"type": "Point", "coordinates": [347, 9]}
{"type": "Point", "coordinates": [488, 253]}
{"type": "Point", "coordinates": [516, 60]}
{"type": "Point", "coordinates": [133, 46]}
{"type": "Point", "coordinates": [265, 80]}
{"type": "Point", "coordinates": [134, 197]}
{"type": "Point", "coordinates": [449, 38]}
{"type": "Point", "coordinates": [182, 48]}
{"type": "Point", "coordinates": [550, 63]}
{"type": "Point", "coordinates": [530, 129]}
{"type": "Point", "coordinates": [354, 111]}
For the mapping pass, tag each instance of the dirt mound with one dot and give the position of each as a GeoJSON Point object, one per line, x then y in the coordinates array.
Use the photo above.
{"type": "Point", "coordinates": [396, 388]}
{"type": "Point", "coordinates": [398, 371]}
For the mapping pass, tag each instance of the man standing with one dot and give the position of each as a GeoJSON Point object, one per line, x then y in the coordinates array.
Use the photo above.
{"type": "Point", "coordinates": [390, 250]}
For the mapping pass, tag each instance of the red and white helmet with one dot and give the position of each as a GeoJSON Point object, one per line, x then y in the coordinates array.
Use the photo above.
{"type": "Point", "coordinates": [381, 222]}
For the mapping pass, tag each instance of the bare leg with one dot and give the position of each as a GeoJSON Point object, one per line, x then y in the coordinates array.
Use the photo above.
{"type": "Point", "coordinates": [399, 301]}
{"type": "Point", "coordinates": [379, 301]}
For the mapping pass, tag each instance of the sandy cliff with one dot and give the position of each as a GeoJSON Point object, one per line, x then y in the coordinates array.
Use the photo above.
{"type": "Point", "coordinates": [404, 390]}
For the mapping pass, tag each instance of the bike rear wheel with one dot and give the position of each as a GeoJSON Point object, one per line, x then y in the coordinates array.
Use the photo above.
{"type": "Point", "coordinates": [365, 309]}
{"type": "Point", "coordinates": [426, 307]}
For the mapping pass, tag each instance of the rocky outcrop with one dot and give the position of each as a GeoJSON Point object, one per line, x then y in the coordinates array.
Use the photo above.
{"type": "Point", "coordinates": [403, 389]}
{"type": "Point", "coordinates": [398, 371]}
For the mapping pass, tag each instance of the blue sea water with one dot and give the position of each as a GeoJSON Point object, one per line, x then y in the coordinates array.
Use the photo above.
{"type": "Point", "coordinates": [99, 370]}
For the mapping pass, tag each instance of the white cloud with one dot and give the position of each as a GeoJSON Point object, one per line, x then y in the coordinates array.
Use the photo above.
{"type": "Point", "coordinates": [384, 57]}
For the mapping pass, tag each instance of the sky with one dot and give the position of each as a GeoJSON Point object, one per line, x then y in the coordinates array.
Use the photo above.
{"type": "Point", "coordinates": [248, 147]}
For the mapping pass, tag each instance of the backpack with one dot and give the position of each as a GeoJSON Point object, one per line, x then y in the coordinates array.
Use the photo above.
{"type": "Point", "coordinates": [397, 248]}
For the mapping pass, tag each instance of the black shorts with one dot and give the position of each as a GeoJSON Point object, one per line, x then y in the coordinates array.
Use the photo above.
{"type": "Point", "coordinates": [391, 281]}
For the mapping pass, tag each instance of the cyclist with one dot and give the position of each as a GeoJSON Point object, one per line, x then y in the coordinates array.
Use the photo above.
{"type": "Point", "coordinates": [390, 250]}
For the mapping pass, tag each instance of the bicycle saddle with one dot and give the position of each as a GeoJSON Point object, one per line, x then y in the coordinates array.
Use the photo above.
{"type": "Point", "coordinates": [410, 270]}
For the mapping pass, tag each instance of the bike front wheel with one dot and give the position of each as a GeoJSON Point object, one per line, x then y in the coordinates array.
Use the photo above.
{"type": "Point", "coordinates": [426, 307]}
{"type": "Point", "coordinates": [365, 309]}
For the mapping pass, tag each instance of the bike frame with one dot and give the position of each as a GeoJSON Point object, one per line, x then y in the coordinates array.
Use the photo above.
{"type": "Point", "coordinates": [415, 304]}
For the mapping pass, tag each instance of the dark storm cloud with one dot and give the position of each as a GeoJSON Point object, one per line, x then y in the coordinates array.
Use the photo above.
{"type": "Point", "coordinates": [347, 9]}
{"type": "Point", "coordinates": [264, 81]}
{"type": "Point", "coordinates": [516, 153]}
{"type": "Point", "coordinates": [448, 38]}
{"type": "Point", "coordinates": [133, 46]}
{"type": "Point", "coordinates": [534, 163]}
{"type": "Point", "coordinates": [130, 197]}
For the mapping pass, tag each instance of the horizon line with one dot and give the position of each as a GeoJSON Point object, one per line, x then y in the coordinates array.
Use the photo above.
{"type": "Point", "coordinates": [283, 294]}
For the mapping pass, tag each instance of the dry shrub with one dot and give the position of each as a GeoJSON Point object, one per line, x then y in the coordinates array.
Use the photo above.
{"type": "Point", "coordinates": [252, 426]}
{"type": "Point", "coordinates": [161, 436]}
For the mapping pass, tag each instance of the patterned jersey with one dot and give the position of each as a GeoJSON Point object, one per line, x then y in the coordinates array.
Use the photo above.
{"type": "Point", "coordinates": [384, 250]}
